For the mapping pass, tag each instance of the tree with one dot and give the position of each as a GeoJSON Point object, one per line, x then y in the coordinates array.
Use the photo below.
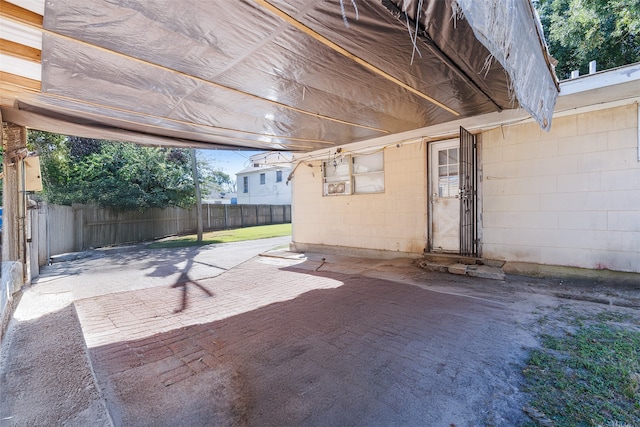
{"type": "Point", "coordinates": [53, 150]}
{"type": "Point", "coordinates": [113, 174]}
{"type": "Point", "coordinates": [579, 31]}
{"type": "Point", "coordinates": [220, 181]}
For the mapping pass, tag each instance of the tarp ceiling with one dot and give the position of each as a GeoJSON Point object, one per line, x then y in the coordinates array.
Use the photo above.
{"type": "Point", "coordinates": [295, 75]}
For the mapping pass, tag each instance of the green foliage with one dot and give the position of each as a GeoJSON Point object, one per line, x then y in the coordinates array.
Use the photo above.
{"type": "Point", "coordinates": [126, 176]}
{"type": "Point", "coordinates": [220, 181]}
{"type": "Point", "coordinates": [226, 236]}
{"type": "Point", "coordinates": [54, 161]}
{"type": "Point", "coordinates": [590, 377]}
{"type": "Point", "coordinates": [579, 31]}
{"type": "Point", "coordinates": [112, 174]}
{"type": "Point", "coordinates": [81, 147]}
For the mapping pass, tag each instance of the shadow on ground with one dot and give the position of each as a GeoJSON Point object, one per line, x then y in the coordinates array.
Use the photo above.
{"type": "Point", "coordinates": [369, 352]}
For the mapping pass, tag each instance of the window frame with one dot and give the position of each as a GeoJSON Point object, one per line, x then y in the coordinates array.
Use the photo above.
{"type": "Point", "coordinates": [335, 184]}
{"type": "Point", "coordinates": [349, 177]}
{"type": "Point", "coordinates": [263, 178]}
{"type": "Point", "coordinates": [355, 174]}
{"type": "Point", "coordinates": [245, 184]}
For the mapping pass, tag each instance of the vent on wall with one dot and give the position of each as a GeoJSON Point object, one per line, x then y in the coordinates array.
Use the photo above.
{"type": "Point", "coordinates": [335, 188]}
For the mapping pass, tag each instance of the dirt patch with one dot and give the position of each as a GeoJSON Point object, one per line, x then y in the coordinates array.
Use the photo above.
{"type": "Point", "coordinates": [45, 375]}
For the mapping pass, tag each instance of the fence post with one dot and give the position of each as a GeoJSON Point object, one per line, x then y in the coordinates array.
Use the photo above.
{"type": "Point", "coordinates": [78, 220]}
{"type": "Point", "coordinates": [177, 212]}
{"type": "Point", "coordinates": [226, 217]}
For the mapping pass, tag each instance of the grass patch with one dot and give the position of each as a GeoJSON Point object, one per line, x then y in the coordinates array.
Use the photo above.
{"type": "Point", "coordinates": [587, 378]}
{"type": "Point", "coordinates": [226, 236]}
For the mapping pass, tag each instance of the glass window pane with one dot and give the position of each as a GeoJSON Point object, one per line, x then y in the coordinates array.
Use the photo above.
{"type": "Point", "coordinates": [442, 157]}
{"type": "Point", "coordinates": [370, 183]}
{"type": "Point", "coordinates": [448, 186]}
{"type": "Point", "coordinates": [453, 155]}
{"type": "Point", "coordinates": [454, 185]}
{"type": "Point", "coordinates": [336, 170]}
{"type": "Point", "coordinates": [369, 163]}
{"type": "Point", "coordinates": [443, 187]}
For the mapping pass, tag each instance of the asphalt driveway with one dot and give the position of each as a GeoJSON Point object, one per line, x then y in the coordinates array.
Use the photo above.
{"type": "Point", "coordinates": [187, 338]}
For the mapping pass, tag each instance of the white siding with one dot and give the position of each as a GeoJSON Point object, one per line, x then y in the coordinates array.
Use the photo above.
{"type": "Point", "coordinates": [269, 193]}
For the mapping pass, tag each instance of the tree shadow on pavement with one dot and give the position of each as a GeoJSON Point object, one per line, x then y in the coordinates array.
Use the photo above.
{"type": "Point", "coordinates": [166, 262]}
{"type": "Point", "coordinates": [183, 282]}
{"type": "Point", "coordinates": [412, 357]}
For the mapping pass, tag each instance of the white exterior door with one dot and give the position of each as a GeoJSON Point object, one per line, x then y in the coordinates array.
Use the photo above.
{"type": "Point", "coordinates": [444, 197]}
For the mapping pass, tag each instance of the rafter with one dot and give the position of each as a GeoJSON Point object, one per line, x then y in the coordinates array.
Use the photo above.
{"type": "Point", "coordinates": [19, 14]}
{"type": "Point", "coordinates": [20, 51]}
{"type": "Point", "coordinates": [339, 49]}
{"type": "Point", "coordinates": [29, 18]}
{"type": "Point", "coordinates": [210, 130]}
{"type": "Point", "coordinates": [15, 82]}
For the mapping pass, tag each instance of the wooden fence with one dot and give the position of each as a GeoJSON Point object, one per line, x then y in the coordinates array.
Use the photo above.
{"type": "Point", "coordinates": [62, 229]}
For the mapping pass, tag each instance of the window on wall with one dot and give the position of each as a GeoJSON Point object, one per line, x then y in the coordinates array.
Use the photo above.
{"type": "Point", "coordinates": [368, 173]}
{"type": "Point", "coordinates": [278, 176]}
{"type": "Point", "coordinates": [359, 174]}
{"type": "Point", "coordinates": [448, 174]}
{"type": "Point", "coordinates": [262, 179]}
{"type": "Point", "coordinates": [245, 184]}
{"type": "Point", "coordinates": [337, 176]}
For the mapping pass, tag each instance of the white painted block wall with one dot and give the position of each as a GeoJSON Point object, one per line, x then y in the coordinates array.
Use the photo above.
{"type": "Point", "coordinates": [570, 197]}
{"type": "Point", "coordinates": [391, 221]}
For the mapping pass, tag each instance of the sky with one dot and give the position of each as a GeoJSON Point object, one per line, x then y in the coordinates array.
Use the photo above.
{"type": "Point", "coordinates": [230, 162]}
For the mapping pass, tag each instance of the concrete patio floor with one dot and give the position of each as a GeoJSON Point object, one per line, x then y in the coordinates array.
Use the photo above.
{"type": "Point", "coordinates": [283, 339]}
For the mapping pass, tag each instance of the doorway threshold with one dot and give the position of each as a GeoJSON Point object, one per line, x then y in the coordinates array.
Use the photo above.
{"type": "Point", "coordinates": [463, 265]}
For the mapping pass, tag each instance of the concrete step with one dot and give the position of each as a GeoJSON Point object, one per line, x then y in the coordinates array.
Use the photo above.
{"type": "Point", "coordinates": [444, 258]}
{"type": "Point", "coordinates": [473, 267]}
{"type": "Point", "coordinates": [486, 272]}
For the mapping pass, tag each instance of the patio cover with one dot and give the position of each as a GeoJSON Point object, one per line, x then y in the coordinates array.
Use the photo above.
{"type": "Point", "coordinates": [294, 75]}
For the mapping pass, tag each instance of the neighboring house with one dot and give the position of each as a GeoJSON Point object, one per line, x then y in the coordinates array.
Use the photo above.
{"type": "Point", "coordinates": [265, 181]}
{"type": "Point", "coordinates": [504, 190]}
{"type": "Point", "coordinates": [221, 198]}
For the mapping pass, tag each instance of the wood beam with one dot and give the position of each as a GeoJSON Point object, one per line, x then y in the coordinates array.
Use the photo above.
{"type": "Point", "coordinates": [211, 83]}
{"type": "Point", "coordinates": [206, 129]}
{"type": "Point", "coordinates": [19, 81]}
{"type": "Point", "coordinates": [21, 51]}
{"type": "Point", "coordinates": [19, 14]}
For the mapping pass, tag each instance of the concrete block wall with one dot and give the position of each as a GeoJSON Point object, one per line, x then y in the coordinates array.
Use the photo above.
{"type": "Point", "coordinates": [391, 221]}
{"type": "Point", "coordinates": [569, 197]}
